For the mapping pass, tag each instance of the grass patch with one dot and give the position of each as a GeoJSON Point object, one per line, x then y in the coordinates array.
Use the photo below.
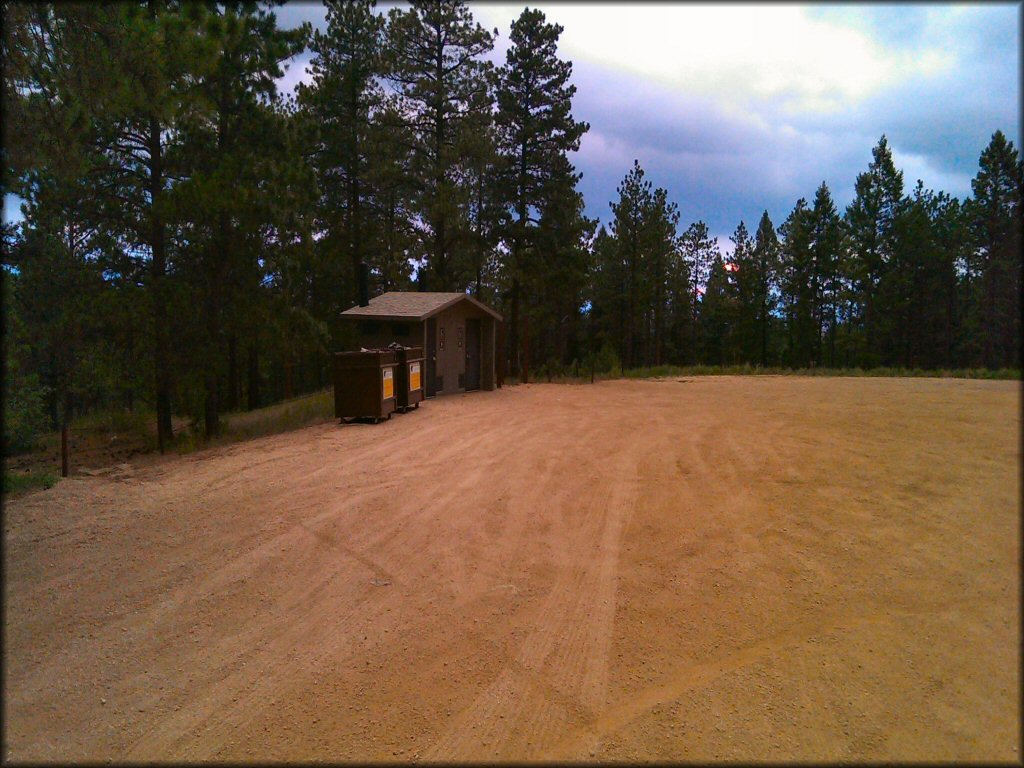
{"type": "Point", "coordinates": [93, 434]}
{"type": "Point", "coordinates": [659, 371]}
{"type": "Point", "coordinates": [16, 483]}
{"type": "Point", "coordinates": [282, 417]}
{"type": "Point", "coordinates": [291, 414]}
{"type": "Point", "coordinates": [137, 427]}
{"type": "Point", "coordinates": [752, 370]}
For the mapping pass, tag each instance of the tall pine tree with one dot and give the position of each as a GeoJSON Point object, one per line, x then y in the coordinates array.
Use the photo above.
{"type": "Point", "coordinates": [536, 131]}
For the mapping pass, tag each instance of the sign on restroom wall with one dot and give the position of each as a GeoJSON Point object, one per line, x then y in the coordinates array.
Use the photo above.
{"type": "Point", "coordinates": [389, 383]}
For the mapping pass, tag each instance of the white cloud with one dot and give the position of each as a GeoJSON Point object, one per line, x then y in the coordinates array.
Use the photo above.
{"type": "Point", "coordinates": [737, 53]}
{"type": "Point", "coordinates": [915, 166]}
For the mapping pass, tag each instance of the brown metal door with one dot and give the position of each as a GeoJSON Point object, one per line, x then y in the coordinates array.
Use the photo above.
{"type": "Point", "coordinates": [430, 355]}
{"type": "Point", "coordinates": [472, 354]}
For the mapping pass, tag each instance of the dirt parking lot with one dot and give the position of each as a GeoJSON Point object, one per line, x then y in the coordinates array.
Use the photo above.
{"type": "Point", "coordinates": [750, 568]}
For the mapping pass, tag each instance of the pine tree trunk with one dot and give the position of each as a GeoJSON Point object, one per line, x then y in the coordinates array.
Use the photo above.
{"type": "Point", "coordinates": [354, 246]}
{"type": "Point", "coordinates": [631, 318]}
{"type": "Point", "coordinates": [658, 285]}
{"type": "Point", "coordinates": [988, 330]}
{"type": "Point", "coordinates": [526, 346]}
{"type": "Point", "coordinates": [832, 339]}
{"type": "Point", "coordinates": [440, 268]}
{"type": "Point", "coordinates": [354, 213]}
{"type": "Point", "coordinates": [219, 258]}
{"type": "Point", "coordinates": [516, 337]}
{"type": "Point", "coordinates": [210, 405]}
{"type": "Point", "coordinates": [158, 269]}
{"type": "Point", "coordinates": [764, 314]}
{"type": "Point", "coordinates": [254, 378]}
{"type": "Point", "coordinates": [234, 390]}
{"type": "Point", "coordinates": [65, 428]}
{"type": "Point", "coordinates": [514, 334]}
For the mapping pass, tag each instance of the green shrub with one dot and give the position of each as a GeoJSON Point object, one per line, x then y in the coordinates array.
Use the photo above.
{"type": "Point", "coordinates": [27, 481]}
{"type": "Point", "coordinates": [607, 361]}
{"type": "Point", "coordinates": [24, 416]}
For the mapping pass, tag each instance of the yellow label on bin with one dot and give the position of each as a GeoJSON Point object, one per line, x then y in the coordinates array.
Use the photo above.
{"type": "Point", "coordinates": [414, 376]}
{"type": "Point", "coordinates": [389, 383]}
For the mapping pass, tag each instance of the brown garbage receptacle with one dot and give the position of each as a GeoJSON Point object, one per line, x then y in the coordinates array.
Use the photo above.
{"type": "Point", "coordinates": [364, 384]}
{"type": "Point", "coordinates": [409, 377]}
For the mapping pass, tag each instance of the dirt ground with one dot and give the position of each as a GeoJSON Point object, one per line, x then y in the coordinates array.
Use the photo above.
{"type": "Point", "coordinates": [753, 568]}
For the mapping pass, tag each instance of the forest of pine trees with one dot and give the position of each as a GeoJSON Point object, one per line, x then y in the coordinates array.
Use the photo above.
{"type": "Point", "coordinates": [191, 235]}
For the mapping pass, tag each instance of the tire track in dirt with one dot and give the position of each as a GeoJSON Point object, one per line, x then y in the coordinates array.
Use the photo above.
{"type": "Point", "coordinates": [583, 556]}
{"type": "Point", "coordinates": [231, 694]}
{"type": "Point", "coordinates": [569, 646]}
{"type": "Point", "coordinates": [292, 639]}
{"type": "Point", "coordinates": [581, 741]}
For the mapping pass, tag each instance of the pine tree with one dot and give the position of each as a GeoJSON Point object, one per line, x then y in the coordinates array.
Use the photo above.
{"type": "Point", "coordinates": [743, 277]}
{"type": "Point", "coordinates": [389, 168]}
{"type": "Point", "coordinates": [631, 216]}
{"type": "Point", "coordinates": [435, 63]}
{"type": "Point", "coordinates": [927, 241]}
{"type": "Point", "coordinates": [700, 252]}
{"type": "Point", "coordinates": [663, 242]}
{"type": "Point", "coordinates": [680, 333]}
{"type": "Point", "coordinates": [870, 220]}
{"type": "Point", "coordinates": [559, 268]}
{"type": "Point", "coordinates": [717, 315]}
{"type": "Point", "coordinates": [536, 130]}
{"type": "Point", "coordinates": [58, 278]}
{"type": "Point", "coordinates": [765, 265]}
{"type": "Point", "coordinates": [71, 106]}
{"type": "Point", "coordinates": [116, 82]}
{"type": "Point", "coordinates": [227, 149]}
{"type": "Point", "coordinates": [482, 175]}
{"type": "Point", "coordinates": [608, 295]}
{"type": "Point", "coordinates": [826, 233]}
{"type": "Point", "coordinates": [342, 101]}
{"type": "Point", "coordinates": [995, 221]}
{"type": "Point", "coordinates": [797, 285]}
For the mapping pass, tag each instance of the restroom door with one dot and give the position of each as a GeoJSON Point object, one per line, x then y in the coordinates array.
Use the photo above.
{"type": "Point", "coordinates": [472, 354]}
{"type": "Point", "coordinates": [430, 353]}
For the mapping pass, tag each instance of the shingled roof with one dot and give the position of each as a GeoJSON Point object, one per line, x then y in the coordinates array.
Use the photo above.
{"type": "Point", "coordinates": [412, 305]}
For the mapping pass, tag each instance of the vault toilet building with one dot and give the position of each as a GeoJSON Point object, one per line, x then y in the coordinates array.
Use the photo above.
{"type": "Point", "coordinates": [458, 335]}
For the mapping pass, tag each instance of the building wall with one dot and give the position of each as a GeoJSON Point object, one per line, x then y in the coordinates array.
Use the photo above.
{"type": "Point", "coordinates": [451, 361]}
{"type": "Point", "coordinates": [488, 377]}
{"type": "Point", "coordinates": [388, 331]}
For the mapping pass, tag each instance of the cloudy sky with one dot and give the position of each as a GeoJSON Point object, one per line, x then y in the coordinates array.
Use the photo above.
{"type": "Point", "coordinates": [736, 109]}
